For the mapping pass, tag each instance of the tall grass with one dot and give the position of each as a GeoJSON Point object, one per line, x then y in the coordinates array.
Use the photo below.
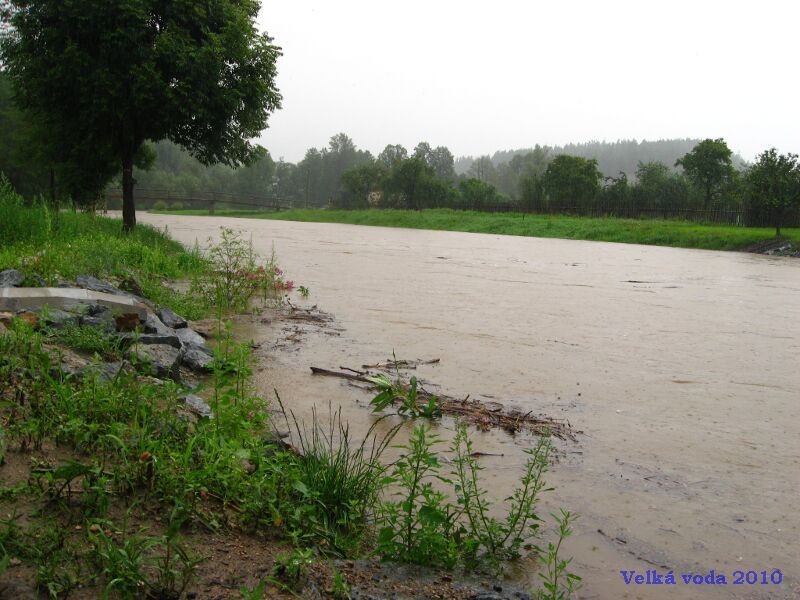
{"type": "Point", "coordinates": [40, 240]}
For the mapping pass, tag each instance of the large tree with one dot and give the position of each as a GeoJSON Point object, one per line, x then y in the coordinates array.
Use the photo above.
{"type": "Point", "coordinates": [773, 184]}
{"type": "Point", "coordinates": [709, 166]}
{"type": "Point", "coordinates": [103, 77]}
{"type": "Point", "coordinates": [572, 180]}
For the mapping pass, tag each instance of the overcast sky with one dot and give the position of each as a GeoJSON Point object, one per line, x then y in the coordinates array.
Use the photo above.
{"type": "Point", "coordinates": [483, 76]}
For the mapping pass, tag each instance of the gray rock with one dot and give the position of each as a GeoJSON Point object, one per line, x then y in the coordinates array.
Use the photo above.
{"type": "Point", "coordinates": [89, 282]}
{"type": "Point", "coordinates": [197, 358]}
{"type": "Point", "coordinates": [132, 285]}
{"type": "Point", "coordinates": [11, 278]}
{"type": "Point", "coordinates": [151, 339]}
{"type": "Point", "coordinates": [197, 405]}
{"type": "Point", "coordinates": [162, 358]}
{"type": "Point", "coordinates": [96, 310]}
{"type": "Point", "coordinates": [152, 324]}
{"type": "Point", "coordinates": [103, 319]}
{"type": "Point", "coordinates": [170, 319]}
{"type": "Point", "coordinates": [58, 319]}
{"type": "Point", "coordinates": [39, 281]}
{"type": "Point", "coordinates": [108, 371]}
{"type": "Point", "coordinates": [190, 336]}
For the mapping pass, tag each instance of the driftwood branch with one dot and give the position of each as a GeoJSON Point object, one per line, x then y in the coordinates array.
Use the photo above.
{"type": "Point", "coordinates": [482, 416]}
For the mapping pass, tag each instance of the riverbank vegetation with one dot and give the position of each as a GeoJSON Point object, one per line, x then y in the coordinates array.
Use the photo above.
{"type": "Point", "coordinates": [681, 234]}
{"type": "Point", "coordinates": [114, 485]}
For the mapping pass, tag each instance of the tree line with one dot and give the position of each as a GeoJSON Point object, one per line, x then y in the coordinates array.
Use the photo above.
{"type": "Point", "coordinates": [143, 93]}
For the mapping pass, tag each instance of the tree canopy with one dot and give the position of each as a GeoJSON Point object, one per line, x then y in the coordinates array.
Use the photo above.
{"type": "Point", "coordinates": [572, 179]}
{"type": "Point", "coordinates": [101, 78]}
{"type": "Point", "coordinates": [709, 166]}
{"type": "Point", "coordinates": [773, 184]}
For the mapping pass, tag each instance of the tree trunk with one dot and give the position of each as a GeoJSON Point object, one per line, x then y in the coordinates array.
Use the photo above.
{"type": "Point", "coordinates": [128, 207]}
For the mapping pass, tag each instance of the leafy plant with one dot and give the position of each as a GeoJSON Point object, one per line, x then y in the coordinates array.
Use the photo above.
{"type": "Point", "coordinates": [559, 583]}
{"type": "Point", "coordinates": [408, 397]}
{"type": "Point", "coordinates": [340, 589]}
{"type": "Point", "coordinates": [497, 539]}
{"type": "Point", "coordinates": [303, 291]}
{"type": "Point", "coordinates": [292, 568]}
{"type": "Point", "coordinates": [420, 526]}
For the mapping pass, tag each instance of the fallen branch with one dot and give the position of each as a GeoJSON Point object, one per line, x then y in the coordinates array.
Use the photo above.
{"type": "Point", "coordinates": [475, 411]}
{"type": "Point", "coordinates": [401, 364]}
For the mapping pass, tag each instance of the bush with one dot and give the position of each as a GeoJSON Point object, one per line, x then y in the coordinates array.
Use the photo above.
{"type": "Point", "coordinates": [159, 205]}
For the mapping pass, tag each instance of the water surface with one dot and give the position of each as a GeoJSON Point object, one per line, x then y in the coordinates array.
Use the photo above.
{"type": "Point", "coordinates": [681, 367]}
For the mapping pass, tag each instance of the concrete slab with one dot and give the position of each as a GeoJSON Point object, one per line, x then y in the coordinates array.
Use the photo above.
{"type": "Point", "coordinates": [13, 299]}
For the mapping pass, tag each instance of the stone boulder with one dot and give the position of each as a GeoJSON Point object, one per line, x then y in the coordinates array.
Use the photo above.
{"type": "Point", "coordinates": [11, 278]}
{"type": "Point", "coordinates": [170, 319]}
{"type": "Point", "coordinates": [190, 336]}
{"type": "Point", "coordinates": [58, 319]}
{"type": "Point", "coordinates": [88, 282]}
{"type": "Point", "coordinates": [152, 324]}
{"type": "Point", "coordinates": [151, 339]}
{"type": "Point", "coordinates": [163, 359]}
{"type": "Point", "coordinates": [197, 405]}
{"type": "Point", "coordinates": [197, 358]}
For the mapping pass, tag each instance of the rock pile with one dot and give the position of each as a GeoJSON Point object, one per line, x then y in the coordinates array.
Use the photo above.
{"type": "Point", "coordinates": [155, 336]}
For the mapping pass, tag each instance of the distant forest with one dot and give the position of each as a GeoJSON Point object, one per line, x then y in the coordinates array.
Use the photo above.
{"type": "Point", "coordinates": [613, 158]}
{"type": "Point", "coordinates": [317, 179]}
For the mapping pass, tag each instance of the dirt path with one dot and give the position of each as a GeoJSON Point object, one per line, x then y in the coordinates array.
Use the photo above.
{"type": "Point", "coordinates": [680, 365]}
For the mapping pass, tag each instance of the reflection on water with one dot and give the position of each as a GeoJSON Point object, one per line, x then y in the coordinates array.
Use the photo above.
{"type": "Point", "coordinates": [681, 367]}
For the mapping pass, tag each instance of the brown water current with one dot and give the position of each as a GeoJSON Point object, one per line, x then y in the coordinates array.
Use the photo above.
{"type": "Point", "coordinates": [681, 367]}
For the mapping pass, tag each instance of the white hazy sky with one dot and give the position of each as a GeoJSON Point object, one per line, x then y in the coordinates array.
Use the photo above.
{"type": "Point", "coordinates": [483, 76]}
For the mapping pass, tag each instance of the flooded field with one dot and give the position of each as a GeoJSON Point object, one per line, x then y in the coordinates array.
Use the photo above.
{"type": "Point", "coordinates": [680, 367]}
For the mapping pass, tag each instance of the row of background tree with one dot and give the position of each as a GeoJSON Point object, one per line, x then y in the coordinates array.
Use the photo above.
{"type": "Point", "coordinates": [680, 178]}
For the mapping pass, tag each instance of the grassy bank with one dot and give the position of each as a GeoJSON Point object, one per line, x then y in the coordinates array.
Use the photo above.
{"type": "Point", "coordinates": [113, 487]}
{"type": "Point", "coordinates": [679, 234]}
{"type": "Point", "coordinates": [55, 245]}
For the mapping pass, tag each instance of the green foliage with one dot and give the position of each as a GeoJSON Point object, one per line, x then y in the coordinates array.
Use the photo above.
{"type": "Point", "coordinates": [338, 482]}
{"type": "Point", "coordinates": [572, 180]}
{"type": "Point", "coordinates": [292, 568]}
{"type": "Point", "coordinates": [303, 291]}
{"type": "Point", "coordinates": [139, 565]}
{"type": "Point", "coordinates": [498, 539]}
{"type": "Point", "coordinates": [178, 172]}
{"type": "Point", "coordinates": [40, 240]}
{"type": "Point", "coordinates": [709, 167]}
{"type": "Point", "coordinates": [235, 276]}
{"type": "Point", "coordinates": [407, 396]}
{"type": "Point", "coordinates": [420, 526]}
{"type": "Point", "coordinates": [103, 78]}
{"type": "Point", "coordinates": [361, 181]}
{"type": "Point", "coordinates": [340, 589]}
{"type": "Point", "coordinates": [89, 338]}
{"type": "Point", "coordinates": [478, 195]}
{"type": "Point", "coordinates": [558, 582]}
{"type": "Point", "coordinates": [772, 185]}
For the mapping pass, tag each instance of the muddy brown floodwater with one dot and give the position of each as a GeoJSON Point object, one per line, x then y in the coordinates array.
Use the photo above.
{"type": "Point", "coordinates": [681, 367]}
